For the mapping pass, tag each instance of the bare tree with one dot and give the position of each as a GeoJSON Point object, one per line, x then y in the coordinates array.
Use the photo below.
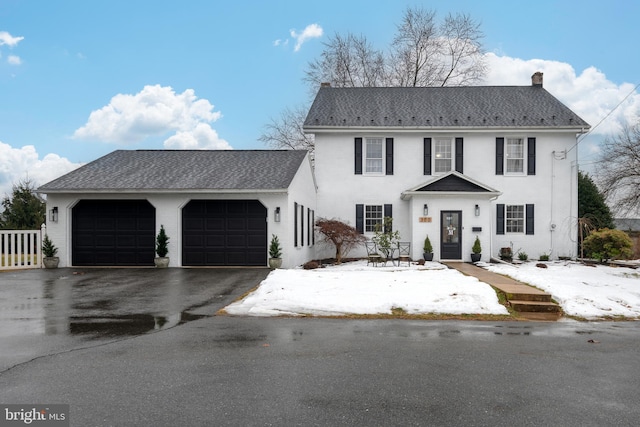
{"type": "Point", "coordinates": [619, 169]}
{"type": "Point", "coordinates": [285, 132]}
{"type": "Point", "coordinates": [463, 61]}
{"type": "Point", "coordinates": [347, 61]}
{"type": "Point", "coordinates": [339, 234]}
{"type": "Point", "coordinates": [423, 53]}
{"type": "Point", "coordinates": [415, 50]}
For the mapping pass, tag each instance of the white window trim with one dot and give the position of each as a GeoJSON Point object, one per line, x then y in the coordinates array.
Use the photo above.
{"type": "Point", "coordinates": [452, 146]}
{"type": "Point", "coordinates": [506, 155]}
{"type": "Point", "coordinates": [365, 156]}
{"type": "Point", "coordinates": [523, 219]}
{"type": "Point", "coordinates": [366, 217]}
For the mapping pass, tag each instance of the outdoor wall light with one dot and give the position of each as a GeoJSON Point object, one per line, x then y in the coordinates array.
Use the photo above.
{"type": "Point", "coordinates": [477, 210]}
{"type": "Point", "coordinates": [426, 210]}
{"type": "Point", "coordinates": [276, 214]}
{"type": "Point", "coordinates": [53, 214]}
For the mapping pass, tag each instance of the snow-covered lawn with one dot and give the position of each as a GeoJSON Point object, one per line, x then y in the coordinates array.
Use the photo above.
{"type": "Point", "coordinates": [590, 292]}
{"type": "Point", "coordinates": [355, 288]}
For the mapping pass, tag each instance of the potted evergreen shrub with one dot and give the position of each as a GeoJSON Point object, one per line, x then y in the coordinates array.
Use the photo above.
{"type": "Point", "coordinates": [427, 250]}
{"type": "Point", "coordinates": [49, 250]}
{"type": "Point", "coordinates": [275, 253]}
{"type": "Point", "coordinates": [162, 249]}
{"type": "Point", "coordinates": [476, 250]}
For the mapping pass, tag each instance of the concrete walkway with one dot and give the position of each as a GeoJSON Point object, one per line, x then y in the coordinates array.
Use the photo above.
{"type": "Point", "coordinates": [529, 302]}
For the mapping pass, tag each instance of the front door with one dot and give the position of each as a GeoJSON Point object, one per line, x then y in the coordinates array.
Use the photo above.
{"type": "Point", "coordinates": [450, 244]}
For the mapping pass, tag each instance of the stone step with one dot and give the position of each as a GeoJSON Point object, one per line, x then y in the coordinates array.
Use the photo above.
{"type": "Point", "coordinates": [535, 306]}
{"type": "Point", "coordinates": [527, 296]}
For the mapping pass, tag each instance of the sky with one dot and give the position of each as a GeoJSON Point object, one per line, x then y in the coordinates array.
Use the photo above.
{"type": "Point", "coordinates": [79, 79]}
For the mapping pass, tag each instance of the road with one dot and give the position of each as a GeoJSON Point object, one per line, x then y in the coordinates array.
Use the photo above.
{"type": "Point", "coordinates": [226, 371]}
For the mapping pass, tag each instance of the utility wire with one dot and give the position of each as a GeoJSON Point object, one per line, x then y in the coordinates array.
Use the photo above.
{"type": "Point", "coordinates": [583, 136]}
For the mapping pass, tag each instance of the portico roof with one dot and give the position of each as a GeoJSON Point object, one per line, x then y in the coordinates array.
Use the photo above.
{"type": "Point", "coordinates": [450, 184]}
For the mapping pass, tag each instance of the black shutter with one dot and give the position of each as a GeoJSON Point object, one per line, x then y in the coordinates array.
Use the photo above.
{"type": "Point", "coordinates": [309, 226]}
{"type": "Point", "coordinates": [301, 225]}
{"type": "Point", "coordinates": [531, 157]}
{"type": "Point", "coordinates": [500, 156]}
{"type": "Point", "coordinates": [313, 230]}
{"type": "Point", "coordinates": [388, 212]}
{"type": "Point", "coordinates": [360, 218]}
{"type": "Point", "coordinates": [389, 156]}
{"type": "Point", "coordinates": [500, 219]}
{"type": "Point", "coordinates": [459, 154]}
{"type": "Point", "coordinates": [427, 156]}
{"type": "Point", "coordinates": [529, 220]}
{"type": "Point", "coordinates": [358, 156]}
{"type": "Point", "coordinates": [295, 224]}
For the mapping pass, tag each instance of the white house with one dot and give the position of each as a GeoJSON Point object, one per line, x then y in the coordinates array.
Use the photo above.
{"type": "Point", "coordinates": [451, 163]}
{"type": "Point", "coordinates": [219, 208]}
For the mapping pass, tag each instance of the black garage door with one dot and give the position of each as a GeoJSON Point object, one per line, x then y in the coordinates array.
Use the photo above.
{"type": "Point", "coordinates": [113, 232]}
{"type": "Point", "coordinates": [224, 232]}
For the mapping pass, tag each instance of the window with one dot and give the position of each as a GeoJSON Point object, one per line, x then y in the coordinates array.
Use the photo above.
{"type": "Point", "coordinates": [443, 155]}
{"type": "Point", "coordinates": [373, 216]}
{"type": "Point", "coordinates": [515, 218]}
{"type": "Point", "coordinates": [515, 155]}
{"type": "Point", "coordinates": [373, 155]}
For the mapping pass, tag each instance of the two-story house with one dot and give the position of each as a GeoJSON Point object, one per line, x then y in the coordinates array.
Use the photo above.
{"type": "Point", "coordinates": [451, 163]}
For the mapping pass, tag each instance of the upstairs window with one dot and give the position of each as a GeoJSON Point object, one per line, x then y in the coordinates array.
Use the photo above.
{"type": "Point", "coordinates": [443, 155]}
{"type": "Point", "coordinates": [515, 155]}
{"type": "Point", "coordinates": [373, 153]}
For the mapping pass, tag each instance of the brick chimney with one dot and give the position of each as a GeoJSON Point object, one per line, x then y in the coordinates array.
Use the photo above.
{"type": "Point", "coordinates": [536, 79]}
{"type": "Point", "coordinates": [325, 84]}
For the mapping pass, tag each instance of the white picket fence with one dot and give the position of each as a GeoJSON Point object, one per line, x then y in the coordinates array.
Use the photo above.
{"type": "Point", "coordinates": [21, 249]}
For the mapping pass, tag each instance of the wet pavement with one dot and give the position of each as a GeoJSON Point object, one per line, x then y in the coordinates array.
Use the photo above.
{"type": "Point", "coordinates": [230, 371]}
{"type": "Point", "coordinates": [142, 347]}
{"type": "Point", "coordinates": [59, 308]}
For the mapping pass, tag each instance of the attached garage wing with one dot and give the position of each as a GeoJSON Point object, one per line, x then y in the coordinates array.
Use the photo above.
{"type": "Point", "coordinates": [224, 233]}
{"type": "Point", "coordinates": [113, 233]}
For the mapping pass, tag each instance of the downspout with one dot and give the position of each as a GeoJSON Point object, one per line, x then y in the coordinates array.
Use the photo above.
{"type": "Point", "coordinates": [491, 228]}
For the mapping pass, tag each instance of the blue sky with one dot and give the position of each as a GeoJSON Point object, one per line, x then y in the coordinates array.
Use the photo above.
{"type": "Point", "coordinates": [79, 79]}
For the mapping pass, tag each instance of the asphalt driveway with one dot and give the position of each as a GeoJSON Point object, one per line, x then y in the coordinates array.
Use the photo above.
{"type": "Point", "coordinates": [50, 310]}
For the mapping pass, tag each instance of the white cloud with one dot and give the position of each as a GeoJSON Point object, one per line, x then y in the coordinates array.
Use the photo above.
{"type": "Point", "coordinates": [14, 60]}
{"type": "Point", "coordinates": [8, 39]}
{"type": "Point", "coordinates": [203, 137]}
{"type": "Point", "coordinates": [589, 94]}
{"type": "Point", "coordinates": [154, 111]}
{"type": "Point", "coordinates": [311, 31]}
{"type": "Point", "coordinates": [17, 164]}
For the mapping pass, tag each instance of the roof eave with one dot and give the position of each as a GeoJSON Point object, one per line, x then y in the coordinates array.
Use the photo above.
{"type": "Point", "coordinates": [440, 129]}
{"type": "Point", "coordinates": [406, 195]}
{"type": "Point", "coordinates": [158, 190]}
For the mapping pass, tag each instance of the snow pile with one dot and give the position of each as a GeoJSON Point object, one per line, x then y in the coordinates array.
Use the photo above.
{"type": "Point", "coordinates": [587, 291]}
{"type": "Point", "coordinates": [355, 288]}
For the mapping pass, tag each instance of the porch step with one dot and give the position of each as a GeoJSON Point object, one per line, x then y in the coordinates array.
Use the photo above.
{"type": "Point", "coordinates": [537, 316]}
{"type": "Point", "coordinates": [534, 306]}
{"type": "Point", "coordinates": [528, 296]}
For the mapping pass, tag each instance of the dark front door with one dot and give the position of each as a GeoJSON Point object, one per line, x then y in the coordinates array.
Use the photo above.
{"type": "Point", "coordinates": [224, 233]}
{"type": "Point", "coordinates": [450, 241]}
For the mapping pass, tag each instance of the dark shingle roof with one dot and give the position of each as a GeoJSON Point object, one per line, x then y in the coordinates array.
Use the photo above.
{"type": "Point", "coordinates": [159, 170]}
{"type": "Point", "coordinates": [436, 107]}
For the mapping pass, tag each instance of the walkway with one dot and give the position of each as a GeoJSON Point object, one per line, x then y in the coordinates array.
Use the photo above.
{"type": "Point", "coordinates": [529, 302]}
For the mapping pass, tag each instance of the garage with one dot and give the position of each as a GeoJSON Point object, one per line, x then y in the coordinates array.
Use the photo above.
{"type": "Point", "coordinates": [224, 233]}
{"type": "Point", "coordinates": [113, 233]}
